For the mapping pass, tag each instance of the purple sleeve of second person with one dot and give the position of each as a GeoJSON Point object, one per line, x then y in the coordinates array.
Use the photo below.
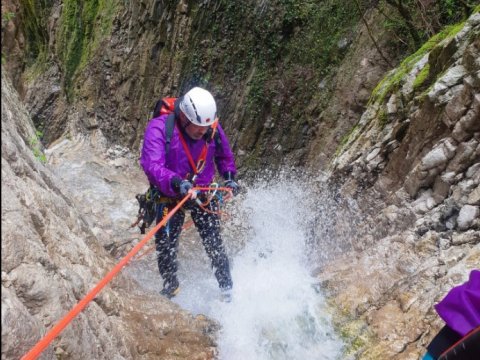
{"type": "Point", "coordinates": [460, 309]}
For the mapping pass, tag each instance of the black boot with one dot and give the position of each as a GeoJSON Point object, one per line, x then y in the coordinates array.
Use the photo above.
{"type": "Point", "coordinates": [170, 288]}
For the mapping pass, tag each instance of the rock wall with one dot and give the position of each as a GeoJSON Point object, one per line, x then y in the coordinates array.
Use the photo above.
{"type": "Point", "coordinates": [51, 259]}
{"type": "Point", "coordinates": [413, 165]}
{"type": "Point", "coordinates": [415, 149]}
{"type": "Point", "coordinates": [82, 78]}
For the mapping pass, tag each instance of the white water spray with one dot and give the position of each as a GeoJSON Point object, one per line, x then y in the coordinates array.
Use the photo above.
{"type": "Point", "coordinates": [276, 313]}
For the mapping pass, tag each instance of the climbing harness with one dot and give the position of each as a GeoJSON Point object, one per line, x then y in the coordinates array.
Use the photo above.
{"type": "Point", "coordinates": [214, 192]}
{"type": "Point", "coordinates": [152, 198]}
{"type": "Point", "coordinates": [147, 207]}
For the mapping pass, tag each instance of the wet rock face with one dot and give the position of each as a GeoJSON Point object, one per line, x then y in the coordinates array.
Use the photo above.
{"type": "Point", "coordinates": [150, 49]}
{"type": "Point", "coordinates": [13, 42]}
{"type": "Point", "coordinates": [51, 258]}
{"type": "Point", "coordinates": [419, 151]}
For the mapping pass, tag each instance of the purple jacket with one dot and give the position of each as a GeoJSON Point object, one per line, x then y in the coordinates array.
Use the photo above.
{"type": "Point", "coordinates": [160, 169]}
{"type": "Point", "coordinates": [460, 309]}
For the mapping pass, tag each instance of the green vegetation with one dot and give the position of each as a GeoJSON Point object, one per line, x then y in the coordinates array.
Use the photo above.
{"type": "Point", "coordinates": [278, 57]}
{"type": "Point", "coordinates": [36, 146]}
{"type": "Point", "coordinates": [413, 21]}
{"type": "Point", "coordinates": [394, 79]}
{"type": "Point", "coordinates": [382, 117]}
{"type": "Point", "coordinates": [421, 77]}
{"type": "Point", "coordinates": [6, 17]}
{"type": "Point", "coordinates": [82, 27]}
{"type": "Point", "coordinates": [278, 50]}
{"type": "Point", "coordinates": [353, 332]}
{"type": "Point", "coordinates": [345, 140]}
{"type": "Point", "coordinates": [317, 30]}
{"type": "Point", "coordinates": [34, 22]}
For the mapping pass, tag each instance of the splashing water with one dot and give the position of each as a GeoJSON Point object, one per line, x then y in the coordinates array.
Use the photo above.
{"type": "Point", "coordinates": [275, 313]}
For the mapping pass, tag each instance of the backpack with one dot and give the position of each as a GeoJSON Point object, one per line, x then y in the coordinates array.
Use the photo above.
{"type": "Point", "coordinates": [164, 106]}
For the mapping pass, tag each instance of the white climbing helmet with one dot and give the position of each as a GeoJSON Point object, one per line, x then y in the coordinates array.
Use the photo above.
{"type": "Point", "coordinates": [199, 107]}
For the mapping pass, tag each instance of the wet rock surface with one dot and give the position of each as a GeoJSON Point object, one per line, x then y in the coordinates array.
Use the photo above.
{"type": "Point", "coordinates": [424, 162]}
{"type": "Point", "coordinates": [55, 229]}
{"type": "Point", "coordinates": [403, 224]}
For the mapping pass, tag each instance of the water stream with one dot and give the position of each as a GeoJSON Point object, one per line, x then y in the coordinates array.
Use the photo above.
{"type": "Point", "coordinates": [276, 311]}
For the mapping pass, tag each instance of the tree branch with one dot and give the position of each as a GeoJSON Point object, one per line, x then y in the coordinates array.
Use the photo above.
{"type": "Point", "coordinates": [371, 35]}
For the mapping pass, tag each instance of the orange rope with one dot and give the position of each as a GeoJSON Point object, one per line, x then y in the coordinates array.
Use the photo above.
{"type": "Point", "coordinates": [57, 329]}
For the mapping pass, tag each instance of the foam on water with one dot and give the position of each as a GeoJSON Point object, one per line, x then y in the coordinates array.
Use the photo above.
{"type": "Point", "coordinates": [276, 312]}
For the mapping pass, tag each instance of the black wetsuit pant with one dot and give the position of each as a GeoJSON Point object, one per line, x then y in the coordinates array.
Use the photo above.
{"type": "Point", "coordinates": [208, 226]}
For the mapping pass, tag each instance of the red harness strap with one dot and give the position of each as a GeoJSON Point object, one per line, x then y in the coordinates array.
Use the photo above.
{"type": "Point", "coordinates": [200, 165]}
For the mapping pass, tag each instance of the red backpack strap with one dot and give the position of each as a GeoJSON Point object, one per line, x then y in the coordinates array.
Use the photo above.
{"type": "Point", "coordinates": [187, 152]}
{"type": "Point", "coordinates": [201, 161]}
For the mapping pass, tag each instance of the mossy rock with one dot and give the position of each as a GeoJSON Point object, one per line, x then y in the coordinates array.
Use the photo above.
{"type": "Point", "coordinates": [422, 78]}
{"type": "Point", "coordinates": [439, 58]}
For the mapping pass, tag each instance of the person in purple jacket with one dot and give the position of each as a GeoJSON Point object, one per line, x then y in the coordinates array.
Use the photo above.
{"type": "Point", "coordinates": [175, 160]}
{"type": "Point", "coordinates": [460, 309]}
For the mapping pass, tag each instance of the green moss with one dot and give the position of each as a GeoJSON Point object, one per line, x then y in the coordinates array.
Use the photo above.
{"type": "Point", "coordinates": [382, 118]}
{"type": "Point", "coordinates": [394, 79]}
{"type": "Point", "coordinates": [421, 77]}
{"type": "Point", "coordinates": [257, 96]}
{"type": "Point", "coordinates": [6, 17]}
{"type": "Point", "coordinates": [36, 147]}
{"type": "Point", "coordinates": [37, 68]}
{"type": "Point", "coordinates": [351, 334]}
{"type": "Point", "coordinates": [83, 25]}
{"type": "Point", "coordinates": [353, 331]}
{"type": "Point", "coordinates": [292, 44]}
{"type": "Point", "coordinates": [319, 28]}
{"type": "Point", "coordinates": [33, 22]}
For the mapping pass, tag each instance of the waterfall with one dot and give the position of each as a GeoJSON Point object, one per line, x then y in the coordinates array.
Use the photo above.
{"type": "Point", "coordinates": [276, 311]}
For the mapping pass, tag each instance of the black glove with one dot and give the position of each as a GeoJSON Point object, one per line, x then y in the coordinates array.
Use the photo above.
{"type": "Point", "coordinates": [181, 186]}
{"type": "Point", "coordinates": [230, 183]}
